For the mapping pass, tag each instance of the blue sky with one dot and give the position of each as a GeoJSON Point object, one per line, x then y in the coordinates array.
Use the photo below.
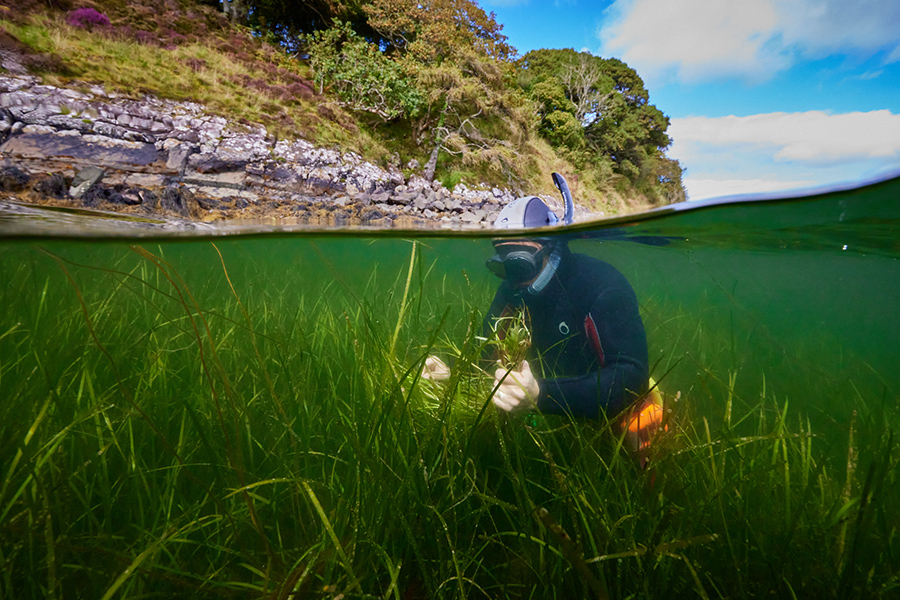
{"type": "Point", "coordinates": [763, 95]}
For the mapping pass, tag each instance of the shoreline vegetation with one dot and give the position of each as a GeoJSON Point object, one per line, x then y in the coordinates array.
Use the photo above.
{"type": "Point", "coordinates": [170, 430]}
{"type": "Point", "coordinates": [468, 111]}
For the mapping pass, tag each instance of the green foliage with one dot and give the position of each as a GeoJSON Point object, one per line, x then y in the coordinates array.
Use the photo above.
{"type": "Point", "coordinates": [361, 76]}
{"type": "Point", "coordinates": [437, 30]}
{"type": "Point", "coordinates": [452, 178]}
{"type": "Point", "coordinates": [559, 122]}
{"type": "Point", "coordinates": [607, 100]}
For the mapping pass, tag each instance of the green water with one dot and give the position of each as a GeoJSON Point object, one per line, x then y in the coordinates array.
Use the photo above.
{"type": "Point", "coordinates": [198, 415]}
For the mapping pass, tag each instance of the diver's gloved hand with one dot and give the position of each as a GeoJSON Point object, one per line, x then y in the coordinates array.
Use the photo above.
{"type": "Point", "coordinates": [518, 391]}
{"type": "Point", "coordinates": [435, 369]}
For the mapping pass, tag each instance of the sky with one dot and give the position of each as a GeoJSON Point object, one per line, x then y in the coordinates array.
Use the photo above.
{"type": "Point", "coordinates": [763, 96]}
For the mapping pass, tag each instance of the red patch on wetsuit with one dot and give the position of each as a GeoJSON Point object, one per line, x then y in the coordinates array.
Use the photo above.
{"type": "Point", "coordinates": [590, 329]}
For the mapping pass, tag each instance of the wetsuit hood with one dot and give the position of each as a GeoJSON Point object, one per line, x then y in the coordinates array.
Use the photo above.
{"type": "Point", "coordinates": [531, 211]}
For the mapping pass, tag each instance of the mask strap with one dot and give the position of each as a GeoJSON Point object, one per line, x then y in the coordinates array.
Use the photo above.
{"type": "Point", "coordinates": [546, 274]}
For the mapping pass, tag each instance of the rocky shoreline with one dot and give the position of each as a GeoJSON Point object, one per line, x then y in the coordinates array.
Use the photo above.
{"type": "Point", "coordinates": [83, 146]}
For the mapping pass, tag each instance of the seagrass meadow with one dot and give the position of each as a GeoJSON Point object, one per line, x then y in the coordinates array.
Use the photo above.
{"type": "Point", "coordinates": [241, 416]}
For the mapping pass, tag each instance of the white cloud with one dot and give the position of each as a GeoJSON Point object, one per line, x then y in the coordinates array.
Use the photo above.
{"type": "Point", "coordinates": [698, 38]}
{"type": "Point", "coordinates": [894, 56]}
{"type": "Point", "coordinates": [701, 189]}
{"type": "Point", "coordinates": [753, 39]}
{"type": "Point", "coordinates": [812, 138]}
{"type": "Point", "coordinates": [821, 26]}
{"type": "Point", "coordinates": [783, 151]}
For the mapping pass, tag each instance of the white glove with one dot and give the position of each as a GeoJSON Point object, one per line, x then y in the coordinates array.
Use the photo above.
{"type": "Point", "coordinates": [518, 391]}
{"type": "Point", "coordinates": [435, 369]}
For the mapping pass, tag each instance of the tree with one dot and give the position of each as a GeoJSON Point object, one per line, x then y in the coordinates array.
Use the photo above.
{"type": "Point", "coordinates": [362, 77]}
{"type": "Point", "coordinates": [292, 22]}
{"type": "Point", "coordinates": [470, 112]}
{"type": "Point", "coordinates": [585, 78]}
{"type": "Point", "coordinates": [559, 122]}
{"type": "Point", "coordinates": [434, 30]}
{"type": "Point", "coordinates": [610, 103]}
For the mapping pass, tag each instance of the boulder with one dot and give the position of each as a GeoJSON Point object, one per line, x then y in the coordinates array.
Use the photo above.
{"type": "Point", "coordinates": [13, 179]}
{"type": "Point", "coordinates": [84, 180]}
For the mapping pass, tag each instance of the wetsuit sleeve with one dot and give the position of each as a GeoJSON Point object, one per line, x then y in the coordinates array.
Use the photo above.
{"type": "Point", "coordinates": [623, 371]}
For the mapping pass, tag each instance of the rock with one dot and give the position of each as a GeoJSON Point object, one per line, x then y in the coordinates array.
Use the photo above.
{"type": "Point", "coordinates": [417, 183]}
{"type": "Point", "coordinates": [118, 194]}
{"type": "Point", "coordinates": [140, 144]}
{"type": "Point", "coordinates": [149, 200]}
{"type": "Point", "coordinates": [177, 199]}
{"type": "Point", "coordinates": [404, 198]}
{"type": "Point", "coordinates": [207, 203]}
{"type": "Point", "coordinates": [380, 197]}
{"type": "Point", "coordinates": [6, 120]}
{"type": "Point", "coordinates": [128, 197]}
{"type": "Point", "coordinates": [178, 157]}
{"type": "Point", "coordinates": [13, 179]}
{"type": "Point", "coordinates": [84, 180]}
{"type": "Point", "coordinates": [36, 142]}
{"type": "Point", "coordinates": [209, 162]}
{"type": "Point", "coordinates": [54, 186]}
{"type": "Point", "coordinates": [371, 213]}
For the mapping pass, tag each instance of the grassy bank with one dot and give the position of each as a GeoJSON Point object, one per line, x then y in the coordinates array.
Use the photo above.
{"type": "Point", "coordinates": [190, 53]}
{"type": "Point", "coordinates": [177, 421]}
{"type": "Point", "coordinates": [227, 71]}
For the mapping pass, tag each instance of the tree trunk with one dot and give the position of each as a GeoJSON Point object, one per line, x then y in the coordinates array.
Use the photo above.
{"type": "Point", "coordinates": [438, 142]}
{"type": "Point", "coordinates": [431, 165]}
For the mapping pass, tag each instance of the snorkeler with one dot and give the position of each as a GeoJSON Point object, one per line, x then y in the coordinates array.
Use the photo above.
{"type": "Point", "coordinates": [584, 321]}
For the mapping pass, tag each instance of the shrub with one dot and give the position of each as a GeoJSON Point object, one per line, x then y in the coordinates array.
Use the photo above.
{"type": "Point", "coordinates": [87, 18]}
{"type": "Point", "coordinates": [360, 75]}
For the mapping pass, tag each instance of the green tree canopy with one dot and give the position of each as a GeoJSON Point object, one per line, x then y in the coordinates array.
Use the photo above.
{"type": "Point", "coordinates": [433, 30]}
{"type": "Point", "coordinates": [361, 76]}
{"type": "Point", "coordinates": [436, 68]}
{"type": "Point", "coordinates": [608, 100]}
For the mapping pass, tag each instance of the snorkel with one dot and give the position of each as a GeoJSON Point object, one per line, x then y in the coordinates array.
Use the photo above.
{"type": "Point", "coordinates": [563, 188]}
{"type": "Point", "coordinates": [526, 259]}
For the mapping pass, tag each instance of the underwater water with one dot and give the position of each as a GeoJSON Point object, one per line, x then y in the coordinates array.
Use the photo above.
{"type": "Point", "coordinates": [213, 413]}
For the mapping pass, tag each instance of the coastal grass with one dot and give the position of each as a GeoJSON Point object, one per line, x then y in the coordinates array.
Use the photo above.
{"type": "Point", "coordinates": [179, 422]}
{"type": "Point", "coordinates": [206, 72]}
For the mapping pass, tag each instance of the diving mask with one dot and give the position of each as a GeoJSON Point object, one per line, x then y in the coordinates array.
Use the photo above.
{"type": "Point", "coordinates": [517, 261]}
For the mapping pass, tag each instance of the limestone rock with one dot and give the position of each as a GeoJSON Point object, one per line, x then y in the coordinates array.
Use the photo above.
{"type": "Point", "coordinates": [84, 180]}
{"type": "Point", "coordinates": [175, 156]}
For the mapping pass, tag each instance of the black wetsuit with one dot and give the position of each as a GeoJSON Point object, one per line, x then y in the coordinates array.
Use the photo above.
{"type": "Point", "coordinates": [587, 337]}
